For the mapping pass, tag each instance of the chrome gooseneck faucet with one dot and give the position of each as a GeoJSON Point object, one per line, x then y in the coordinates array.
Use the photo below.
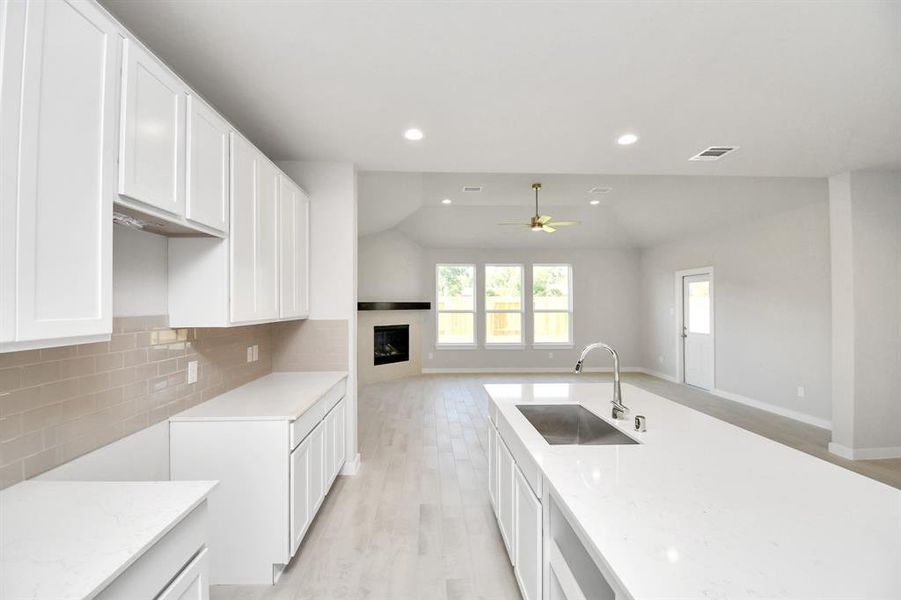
{"type": "Point", "coordinates": [619, 409]}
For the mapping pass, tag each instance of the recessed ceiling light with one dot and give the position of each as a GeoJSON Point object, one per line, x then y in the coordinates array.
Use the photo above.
{"type": "Point", "coordinates": [627, 139]}
{"type": "Point", "coordinates": [414, 135]}
{"type": "Point", "coordinates": [446, 201]}
{"type": "Point", "coordinates": [594, 202]}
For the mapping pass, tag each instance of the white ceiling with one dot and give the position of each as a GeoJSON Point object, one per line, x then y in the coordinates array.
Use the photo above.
{"type": "Point", "coordinates": [639, 211]}
{"type": "Point", "coordinates": [805, 88]}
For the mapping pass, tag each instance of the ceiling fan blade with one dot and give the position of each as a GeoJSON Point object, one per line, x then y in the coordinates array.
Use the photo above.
{"type": "Point", "coordinates": [516, 224]}
{"type": "Point", "coordinates": [548, 229]}
{"type": "Point", "coordinates": [544, 219]}
{"type": "Point", "coordinates": [564, 223]}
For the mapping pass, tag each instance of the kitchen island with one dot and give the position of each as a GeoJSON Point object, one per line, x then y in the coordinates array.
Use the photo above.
{"type": "Point", "coordinates": [77, 540]}
{"type": "Point", "coordinates": [698, 508]}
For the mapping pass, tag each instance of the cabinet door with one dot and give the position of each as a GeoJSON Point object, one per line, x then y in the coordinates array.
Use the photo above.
{"type": "Point", "coordinates": [61, 231]}
{"type": "Point", "coordinates": [527, 537]}
{"type": "Point", "coordinates": [492, 466]}
{"type": "Point", "coordinates": [206, 200]}
{"type": "Point", "coordinates": [151, 161]}
{"type": "Point", "coordinates": [293, 250]}
{"type": "Point", "coordinates": [505, 498]}
{"type": "Point", "coordinates": [267, 239]}
{"type": "Point", "coordinates": [331, 439]}
{"type": "Point", "coordinates": [252, 239]}
{"type": "Point", "coordinates": [341, 438]}
{"type": "Point", "coordinates": [300, 493]}
{"type": "Point", "coordinates": [317, 467]}
{"type": "Point", "coordinates": [193, 583]}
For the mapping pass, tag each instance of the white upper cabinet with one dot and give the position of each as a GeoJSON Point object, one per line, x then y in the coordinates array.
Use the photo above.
{"type": "Point", "coordinates": [253, 234]}
{"type": "Point", "coordinates": [294, 250]}
{"type": "Point", "coordinates": [151, 160]}
{"type": "Point", "coordinates": [207, 141]}
{"type": "Point", "coordinates": [57, 186]}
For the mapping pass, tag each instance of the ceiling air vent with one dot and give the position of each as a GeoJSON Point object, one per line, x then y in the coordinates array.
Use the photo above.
{"type": "Point", "coordinates": [713, 153]}
{"type": "Point", "coordinates": [472, 188]}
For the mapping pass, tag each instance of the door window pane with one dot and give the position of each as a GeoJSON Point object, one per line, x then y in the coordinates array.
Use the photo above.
{"type": "Point", "coordinates": [699, 307]}
{"type": "Point", "coordinates": [552, 328]}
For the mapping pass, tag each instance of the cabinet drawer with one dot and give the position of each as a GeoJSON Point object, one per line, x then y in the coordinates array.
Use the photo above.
{"type": "Point", "coordinates": [153, 571]}
{"type": "Point", "coordinates": [303, 425]}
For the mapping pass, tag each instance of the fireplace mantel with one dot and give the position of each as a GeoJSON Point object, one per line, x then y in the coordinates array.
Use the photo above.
{"type": "Point", "coordinates": [394, 305]}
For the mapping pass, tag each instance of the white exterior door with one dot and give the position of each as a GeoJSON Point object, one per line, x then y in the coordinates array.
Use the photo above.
{"type": "Point", "coordinates": [697, 330]}
{"type": "Point", "coordinates": [207, 169]}
{"type": "Point", "coordinates": [58, 237]}
{"type": "Point", "coordinates": [151, 161]}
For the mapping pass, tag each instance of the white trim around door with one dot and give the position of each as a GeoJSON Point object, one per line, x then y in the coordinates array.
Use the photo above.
{"type": "Point", "coordinates": [679, 314]}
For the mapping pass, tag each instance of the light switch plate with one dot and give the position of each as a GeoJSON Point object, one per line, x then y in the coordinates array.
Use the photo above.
{"type": "Point", "coordinates": [256, 353]}
{"type": "Point", "coordinates": [192, 371]}
{"type": "Point", "coordinates": [249, 353]}
{"type": "Point", "coordinates": [801, 391]}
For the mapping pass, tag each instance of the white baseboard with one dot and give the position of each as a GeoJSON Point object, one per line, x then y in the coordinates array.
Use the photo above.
{"type": "Point", "coordinates": [657, 374]}
{"type": "Point", "coordinates": [779, 410]}
{"type": "Point", "coordinates": [351, 467]}
{"type": "Point", "coordinates": [537, 370]}
{"type": "Point", "coordinates": [864, 453]}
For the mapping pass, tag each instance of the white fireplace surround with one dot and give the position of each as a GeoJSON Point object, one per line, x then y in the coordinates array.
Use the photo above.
{"type": "Point", "coordinates": [367, 320]}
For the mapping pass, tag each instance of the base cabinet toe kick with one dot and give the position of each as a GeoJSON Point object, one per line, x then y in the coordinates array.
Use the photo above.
{"type": "Point", "coordinates": [273, 477]}
{"type": "Point", "coordinates": [549, 560]}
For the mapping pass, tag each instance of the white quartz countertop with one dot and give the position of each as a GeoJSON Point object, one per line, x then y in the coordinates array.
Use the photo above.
{"type": "Point", "coordinates": [702, 509]}
{"type": "Point", "coordinates": [62, 540]}
{"type": "Point", "coordinates": [273, 397]}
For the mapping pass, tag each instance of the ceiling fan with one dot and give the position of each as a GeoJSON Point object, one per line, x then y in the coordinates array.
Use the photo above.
{"type": "Point", "coordinates": [540, 222]}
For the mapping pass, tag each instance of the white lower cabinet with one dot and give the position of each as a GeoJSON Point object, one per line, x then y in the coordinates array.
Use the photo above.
{"type": "Point", "coordinates": [273, 474]}
{"type": "Point", "coordinates": [505, 498]}
{"type": "Point", "coordinates": [301, 510]}
{"type": "Point", "coordinates": [519, 515]}
{"type": "Point", "coordinates": [192, 583]}
{"type": "Point", "coordinates": [492, 467]}
{"type": "Point", "coordinates": [527, 538]}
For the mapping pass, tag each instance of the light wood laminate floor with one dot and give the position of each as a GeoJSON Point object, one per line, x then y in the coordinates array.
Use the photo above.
{"type": "Point", "coordinates": [416, 523]}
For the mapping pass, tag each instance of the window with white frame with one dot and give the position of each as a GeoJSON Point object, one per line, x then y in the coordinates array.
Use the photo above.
{"type": "Point", "coordinates": [455, 295]}
{"type": "Point", "coordinates": [503, 305]}
{"type": "Point", "coordinates": [552, 304]}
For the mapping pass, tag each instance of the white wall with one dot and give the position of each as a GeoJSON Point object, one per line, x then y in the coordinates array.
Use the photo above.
{"type": "Point", "coordinates": [390, 268]}
{"type": "Point", "coordinates": [140, 273]}
{"type": "Point", "coordinates": [772, 307]}
{"type": "Point", "coordinates": [605, 307]}
{"type": "Point", "coordinates": [866, 248]}
{"type": "Point", "coordinates": [332, 187]}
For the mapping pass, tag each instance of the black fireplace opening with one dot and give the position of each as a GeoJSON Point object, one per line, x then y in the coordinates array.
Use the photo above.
{"type": "Point", "coordinates": [392, 344]}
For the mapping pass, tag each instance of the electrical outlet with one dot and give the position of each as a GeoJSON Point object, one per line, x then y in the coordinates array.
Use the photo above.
{"type": "Point", "coordinates": [800, 391]}
{"type": "Point", "coordinates": [431, 356]}
{"type": "Point", "coordinates": [550, 355]}
{"type": "Point", "coordinates": [192, 371]}
{"type": "Point", "coordinates": [256, 353]}
{"type": "Point", "coordinates": [249, 353]}
{"type": "Point", "coordinates": [660, 359]}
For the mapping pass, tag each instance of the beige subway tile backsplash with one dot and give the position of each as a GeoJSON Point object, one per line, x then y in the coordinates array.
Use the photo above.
{"type": "Point", "coordinates": [60, 403]}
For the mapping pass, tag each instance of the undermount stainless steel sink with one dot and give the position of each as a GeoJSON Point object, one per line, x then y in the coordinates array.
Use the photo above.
{"type": "Point", "coordinates": [572, 424]}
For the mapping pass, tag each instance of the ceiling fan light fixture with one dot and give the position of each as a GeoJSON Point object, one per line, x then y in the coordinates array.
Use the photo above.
{"type": "Point", "coordinates": [594, 202]}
